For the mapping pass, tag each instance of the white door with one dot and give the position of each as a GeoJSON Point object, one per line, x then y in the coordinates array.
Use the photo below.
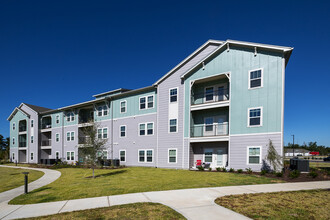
{"type": "Point", "coordinates": [220, 158]}
{"type": "Point", "coordinates": [209, 127]}
{"type": "Point", "coordinates": [221, 127]}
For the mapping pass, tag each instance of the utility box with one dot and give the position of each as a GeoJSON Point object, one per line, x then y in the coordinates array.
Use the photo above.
{"type": "Point", "coordinates": [299, 164]}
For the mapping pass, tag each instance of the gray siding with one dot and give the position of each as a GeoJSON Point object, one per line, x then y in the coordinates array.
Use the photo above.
{"type": "Point", "coordinates": [238, 148]}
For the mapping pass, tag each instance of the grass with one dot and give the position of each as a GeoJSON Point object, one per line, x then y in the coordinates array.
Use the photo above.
{"type": "Point", "coordinates": [316, 164]}
{"type": "Point", "coordinates": [311, 204]}
{"type": "Point", "coordinates": [74, 184]}
{"type": "Point", "coordinates": [129, 211]}
{"type": "Point", "coordinates": [12, 178]}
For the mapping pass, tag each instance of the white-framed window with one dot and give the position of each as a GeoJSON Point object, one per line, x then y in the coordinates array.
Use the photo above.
{"type": "Point", "coordinates": [123, 106]}
{"type": "Point", "coordinates": [57, 119]}
{"type": "Point", "coordinates": [105, 133]}
{"type": "Point", "coordinates": [209, 94]}
{"type": "Point", "coordinates": [31, 139]}
{"type": "Point", "coordinates": [122, 155]}
{"type": "Point", "coordinates": [146, 128]}
{"type": "Point", "coordinates": [57, 137]}
{"type": "Point", "coordinates": [102, 133]}
{"type": "Point", "coordinates": [105, 110]}
{"type": "Point", "coordinates": [13, 141]}
{"type": "Point", "coordinates": [174, 95]}
{"type": "Point", "coordinates": [122, 131]}
{"type": "Point", "coordinates": [173, 125]}
{"type": "Point", "coordinates": [146, 156]}
{"type": "Point", "coordinates": [14, 126]}
{"type": "Point", "coordinates": [255, 78]}
{"type": "Point", "coordinates": [70, 116]}
{"type": "Point", "coordinates": [102, 110]}
{"type": "Point", "coordinates": [208, 124]}
{"type": "Point", "coordinates": [253, 155]}
{"type": "Point", "coordinates": [70, 155]}
{"type": "Point", "coordinates": [32, 123]}
{"type": "Point", "coordinates": [31, 156]}
{"type": "Point", "coordinates": [70, 136]}
{"type": "Point", "coordinates": [13, 156]}
{"type": "Point", "coordinates": [146, 102]}
{"type": "Point", "coordinates": [103, 154]}
{"type": "Point", "coordinates": [172, 155]}
{"type": "Point", "coordinates": [255, 117]}
{"type": "Point", "coordinates": [57, 155]}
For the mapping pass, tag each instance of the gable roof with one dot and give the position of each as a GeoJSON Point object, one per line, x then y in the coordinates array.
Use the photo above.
{"type": "Point", "coordinates": [15, 111]}
{"type": "Point", "coordinates": [35, 108]}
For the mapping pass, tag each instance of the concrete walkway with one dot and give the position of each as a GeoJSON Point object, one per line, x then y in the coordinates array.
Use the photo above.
{"type": "Point", "coordinates": [192, 203]}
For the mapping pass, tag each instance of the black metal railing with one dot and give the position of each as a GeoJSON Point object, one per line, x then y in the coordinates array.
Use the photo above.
{"type": "Point", "coordinates": [219, 95]}
{"type": "Point", "coordinates": [220, 129]}
{"type": "Point", "coordinates": [83, 120]}
{"type": "Point", "coordinates": [22, 144]}
{"type": "Point", "coordinates": [22, 128]}
{"type": "Point", "coordinates": [46, 125]}
{"type": "Point", "coordinates": [46, 143]}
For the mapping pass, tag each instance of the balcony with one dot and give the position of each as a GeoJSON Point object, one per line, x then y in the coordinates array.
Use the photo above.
{"type": "Point", "coordinates": [86, 117]}
{"type": "Point", "coordinates": [22, 126]}
{"type": "Point", "coordinates": [46, 123]}
{"type": "Point", "coordinates": [83, 140]}
{"type": "Point", "coordinates": [210, 132]}
{"type": "Point", "coordinates": [46, 126]}
{"type": "Point", "coordinates": [22, 144]}
{"type": "Point", "coordinates": [210, 98]}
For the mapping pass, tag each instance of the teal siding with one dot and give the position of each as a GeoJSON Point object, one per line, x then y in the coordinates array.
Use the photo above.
{"type": "Point", "coordinates": [239, 61]}
{"type": "Point", "coordinates": [54, 125]}
{"type": "Point", "coordinates": [14, 133]}
{"type": "Point", "coordinates": [75, 122]}
{"type": "Point", "coordinates": [102, 118]}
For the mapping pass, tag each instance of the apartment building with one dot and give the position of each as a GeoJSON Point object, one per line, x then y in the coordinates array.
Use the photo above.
{"type": "Point", "coordinates": [221, 105]}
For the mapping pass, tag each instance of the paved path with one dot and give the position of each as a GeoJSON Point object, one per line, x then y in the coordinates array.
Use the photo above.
{"type": "Point", "coordinates": [192, 203]}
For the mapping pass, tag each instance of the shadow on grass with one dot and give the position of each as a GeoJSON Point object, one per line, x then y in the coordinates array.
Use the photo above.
{"type": "Point", "coordinates": [108, 174]}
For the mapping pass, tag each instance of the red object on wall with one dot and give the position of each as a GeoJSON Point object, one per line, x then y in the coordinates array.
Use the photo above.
{"type": "Point", "coordinates": [314, 153]}
{"type": "Point", "coordinates": [198, 163]}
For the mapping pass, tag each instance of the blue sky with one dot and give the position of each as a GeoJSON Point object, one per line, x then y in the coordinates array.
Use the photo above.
{"type": "Point", "coordinates": [57, 53]}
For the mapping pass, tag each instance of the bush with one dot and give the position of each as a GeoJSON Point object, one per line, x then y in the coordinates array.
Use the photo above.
{"type": "Point", "coordinates": [210, 169]}
{"type": "Point", "coordinates": [239, 171]}
{"type": "Point", "coordinates": [218, 169]}
{"type": "Point", "coordinates": [279, 174]}
{"type": "Point", "coordinates": [263, 172]}
{"type": "Point", "coordinates": [231, 170]}
{"type": "Point", "coordinates": [223, 169]}
{"type": "Point", "coordinates": [248, 170]}
{"type": "Point", "coordinates": [294, 174]}
{"type": "Point", "coordinates": [313, 174]}
{"type": "Point", "coordinates": [200, 168]}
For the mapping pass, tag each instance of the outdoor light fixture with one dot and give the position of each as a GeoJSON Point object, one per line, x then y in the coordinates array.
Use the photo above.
{"type": "Point", "coordinates": [255, 51]}
{"type": "Point", "coordinates": [26, 182]}
{"type": "Point", "coordinates": [203, 66]}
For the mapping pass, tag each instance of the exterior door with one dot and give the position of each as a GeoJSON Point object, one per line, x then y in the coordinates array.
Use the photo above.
{"type": "Point", "coordinates": [220, 158]}
{"type": "Point", "coordinates": [221, 93]}
{"type": "Point", "coordinates": [221, 127]}
{"type": "Point", "coordinates": [208, 156]}
{"type": "Point", "coordinates": [208, 127]}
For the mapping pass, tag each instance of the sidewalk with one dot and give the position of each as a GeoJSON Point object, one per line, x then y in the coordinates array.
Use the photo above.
{"type": "Point", "coordinates": [192, 203]}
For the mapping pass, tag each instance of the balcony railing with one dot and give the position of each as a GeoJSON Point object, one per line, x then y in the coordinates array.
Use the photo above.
{"type": "Point", "coordinates": [210, 96]}
{"type": "Point", "coordinates": [45, 126]}
{"type": "Point", "coordinates": [220, 129]}
{"type": "Point", "coordinates": [46, 143]}
{"type": "Point", "coordinates": [22, 128]}
{"type": "Point", "coordinates": [83, 140]}
{"type": "Point", "coordinates": [22, 144]}
{"type": "Point", "coordinates": [85, 120]}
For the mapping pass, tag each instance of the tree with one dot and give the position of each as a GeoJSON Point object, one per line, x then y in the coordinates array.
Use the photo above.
{"type": "Point", "coordinates": [4, 148]}
{"type": "Point", "coordinates": [94, 144]}
{"type": "Point", "coordinates": [273, 157]}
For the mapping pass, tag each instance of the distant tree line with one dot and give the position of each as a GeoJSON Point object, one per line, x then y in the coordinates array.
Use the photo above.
{"type": "Point", "coordinates": [311, 146]}
{"type": "Point", "coordinates": [4, 148]}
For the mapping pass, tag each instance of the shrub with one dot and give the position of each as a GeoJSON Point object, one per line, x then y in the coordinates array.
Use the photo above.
{"type": "Point", "coordinates": [248, 170]}
{"type": "Point", "coordinates": [239, 171]}
{"type": "Point", "coordinates": [218, 169]}
{"type": "Point", "coordinates": [231, 170]}
{"type": "Point", "coordinates": [223, 169]}
{"type": "Point", "coordinates": [313, 174]}
{"type": "Point", "coordinates": [294, 174]}
{"type": "Point", "coordinates": [279, 174]}
{"type": "Point", "coordinates": [200, 168]}
{"type": "Point", "coordinates": [210, 169]}
{"type": "Point", "coordinates": [263, 172]}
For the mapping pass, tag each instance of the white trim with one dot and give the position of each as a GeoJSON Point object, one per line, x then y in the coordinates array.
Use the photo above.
{"type": "Point", "coordinates": [146, 102]}
{"type": "Point", "coordinates": [124, 101]}
{"type": "Point", "coordinates": [120, 155]}
{"type": "Point", "coordinates": [66, 156]}
{"type": "Point", "coordinates": [120, 131]}
{"type": "Point", "coordinates": [282, 110]}
{"type": "Point", "coordinates": [14, 126]}
{"type": "Point", "coordinates": [31, 156]}
{"type": "Point", "coordinates": [213, 96]}
{"type": "Point", "coordinates": [14, 141]}
{"type": "Point", "coordinates": [176, 156]}
{"type": "Point", "coordinates": [209, 139]}
{"type": "Point", "coordinates": [59, 118]}
{"type": "Point", "coordinates": [261, 78]}
{"type": "Point", "coordinates": [59, 156]}
{"type": "Point", "coordinates": [169, 126]}
{"type": "Point", "coordinates": [265, 133]}
{"type": "Point", "coordinates": [261, 117]}
{"type": "Point", "coordinates": [70, 132]}
{"type": "Point", "coordinates": [146, 128]}
{"type": "Point", "coordinates": [58, 137]}
{"type": "Point", "coordinates": [248, 155]}
{"type": "Point", "coordinates": [31, 123]}
{"type": "Point", "coordinates": [177, 95]}
{"type": "Point", "coordinates": [145, 155]}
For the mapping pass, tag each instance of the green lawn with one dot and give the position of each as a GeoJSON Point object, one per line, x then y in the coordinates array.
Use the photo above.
{"type": "Point", "coordinates": [316, 164]}
{"type": "Point", "coordinates": [74, 182]}
{"type": "Point", "coordinates": [312, 204]}
{"type": "Point", "coordinates": [129, 211]}
{"type": "Point", "coordinates": [12, 177]}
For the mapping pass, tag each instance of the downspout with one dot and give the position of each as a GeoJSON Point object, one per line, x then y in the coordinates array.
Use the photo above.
{"type": "Point", "coordinates": [111, 106]}
{"type": "Point", "coordinates": [62, 138]}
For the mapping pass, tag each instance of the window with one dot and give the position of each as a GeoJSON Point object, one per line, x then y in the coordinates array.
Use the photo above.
{"type": "Point", "coordinates": [32, 123]}
{"type": "Point", "coordinates": [123, 106]}
{"type": "Point", "coordinates": [173, 123]}
{"type": "Point", "coordinates": [32, 139]}
{"type": "Point", "coordinates": [99, 111]}
{"type": "Point", "coordinates": [172, 155]}
{"type": "Point", "coordinates": [13, 156]}
{"type": "Point", "coordinates": [142, 102]}
{"type": "Point", "coordinates": [146, 128]}
{"type": "Point", "coordinates": [70, 155]}
{"type": "Point", "coordinates": [255, 117]}
{"type": "Point", "coordinates": [123, 131]}
{"type": "Point", "coordinates": [57, 155]}
{"type": "Point", "coordinates": [57, 137]}
{"type": "Point", "coordinates": [70, 136]}
{"type": "Point", "coordinates": [173, 95]}
{"type": "Point", "coordinates": [142, 128]}
{"type": "Point", "coordinates": [70, 116]}
{"type": "Point", "coordinates": [13, 141]}
{"type": "Point", "coordinates": [102, 111]}
{"type": "Point", "coordinates": [254, 155]}
{"type": "Point", "coordinates": [105, 133]}
{"type": "Point", "coordinates": [145, 156]}
{"type": "Point", "coordinates": [208, 124]}
{"type": "Point", "coordinates": [14, 126]}
{"type": "Point", "coordinates": [57, 119]}
{"type": "Point", "coordinates": [150, 101]}
{"type": "Point", "coordinates": [105, 110]}
{"type": "Point", "coordinates": [31, 156]}
{"type": "Point", "coordinates": [103, 154]}
{"type": "Point", "coordinates": [122, 155]}
{"type": "Point", "coordinates": [208, 157]}
{"type": "Point", "coordinates": [209, 92]}
{"type": "Point", "coordinates": [255, 79]}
